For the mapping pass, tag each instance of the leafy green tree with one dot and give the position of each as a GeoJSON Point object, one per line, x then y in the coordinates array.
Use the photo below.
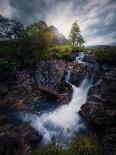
{"type": "Point", "coordinates": [75, 36]}
{"type": "Point", "coordinates": [41, 25]}
{"type": "Point", "coordinates": [35, 41]}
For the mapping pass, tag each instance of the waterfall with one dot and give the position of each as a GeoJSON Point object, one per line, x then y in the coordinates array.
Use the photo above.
{"type": "Point", "coordinates": [80, 57]}
{"type": "Point", "coordinates": [62, 124]}
{"type": "Point", "coordinates": [67, 79]}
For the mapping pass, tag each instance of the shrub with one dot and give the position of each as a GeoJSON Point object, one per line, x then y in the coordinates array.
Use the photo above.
{"type": "Point", "coordinates": [79, 49]}
{"type": "Point", "coordinates": [7, 55]}
{"type": "Point", "coordinates": [85, 145]}
{"type": "Point", "coordinates": [105, 55]}
{"type": "Point", "coordinates": [60, 51]}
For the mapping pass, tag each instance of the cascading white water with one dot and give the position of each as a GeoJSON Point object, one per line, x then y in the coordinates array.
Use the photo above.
{"type": "Point", "coordinates": [80, 57]}
{"type": "Point", "coordinates": [67, 79]}
{"type": "Point", "coordinates": [63, 123]}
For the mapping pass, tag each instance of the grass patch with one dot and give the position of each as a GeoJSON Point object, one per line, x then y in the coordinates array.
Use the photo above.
{"type": "Point", "coordinates": [84, 145]}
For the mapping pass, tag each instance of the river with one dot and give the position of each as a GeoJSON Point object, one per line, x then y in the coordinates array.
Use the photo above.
{"type": "Point", "coordinates": [61, 124]}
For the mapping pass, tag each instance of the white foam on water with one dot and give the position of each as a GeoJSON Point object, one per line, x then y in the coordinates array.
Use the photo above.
{"type": "Point", "coordinates": [67, 79]}
{"type": "Point", "coordinates": [80, 57]}
{"type": "Point", "coordinates": [61, 125]}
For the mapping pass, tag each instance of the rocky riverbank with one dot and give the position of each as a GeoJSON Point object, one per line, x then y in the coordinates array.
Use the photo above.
{"type": "Point", "coordinates": [16, 95]}
{"type": "Point", "coordinates": [17, 140]}
{"type": "Point", "coordinates": [29, 86]}
{"type": "Point", "coordinates": [100, 108]}
{"type": "Point", "coordinates": [20, 94]}
{"type": "Point", "coordinates": [48, 82]}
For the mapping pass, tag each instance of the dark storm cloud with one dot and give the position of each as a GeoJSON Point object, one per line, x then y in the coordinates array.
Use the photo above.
{"type": "Point", "coordinates": [28, 11]}
{"type": "Point", "coordinates": [97, 18]}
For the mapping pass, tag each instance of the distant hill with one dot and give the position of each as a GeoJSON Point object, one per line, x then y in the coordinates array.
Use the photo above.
{"type": "Point", "coordinates": [100, 46]}
{"type": "Point", "coordinates": [57, 36]}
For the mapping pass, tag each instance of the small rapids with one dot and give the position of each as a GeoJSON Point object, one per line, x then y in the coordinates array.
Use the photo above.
{"type": "Point", "coordinates": [62, 124]}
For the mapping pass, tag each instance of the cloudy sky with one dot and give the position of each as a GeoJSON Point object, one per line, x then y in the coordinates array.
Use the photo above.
{"type": "Point", "coordinates": [97, 18]}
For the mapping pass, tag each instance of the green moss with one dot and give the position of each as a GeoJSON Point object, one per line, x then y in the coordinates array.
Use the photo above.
{"type": "Point", "coordinates": [84, 145]}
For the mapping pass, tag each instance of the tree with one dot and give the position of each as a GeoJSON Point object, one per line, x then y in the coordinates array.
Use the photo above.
{"type": "Point", "coordinates": [75, 36]}
{"type": "Point", "coordinates": [35, 40]}
{"type": "Point", "coordinates": [9, 29]}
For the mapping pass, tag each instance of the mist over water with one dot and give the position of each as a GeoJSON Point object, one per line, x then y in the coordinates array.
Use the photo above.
{"type": "Point", "coordinates": [63, 123]}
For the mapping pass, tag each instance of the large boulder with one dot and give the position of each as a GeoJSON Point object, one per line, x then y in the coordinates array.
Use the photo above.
{"type": "Point", "coordinates": [28, 135]}
{"type": "Point", "coordinates": [78, 73]}
{"type": "Point", "coordinates": [82, 70]}
{"type": "Point", "coordinates": [50, 74]}
{"type": "Point", "coordinates": [100, 107]}
{"type": "Point", "coordinates": [89, 58]}
{"type": "Point", "coordinates": [17, 140]}
{"type": "Point", "coordinates": [3, 89]}
{"type": "Point", "coordinates": [22, 94]}
{"type": "Point", "coordinates": [5, 124]}
{"type": "Point", "coordinates": [109, 141]}
{"type": "Point", "coordinates": [50, 77]}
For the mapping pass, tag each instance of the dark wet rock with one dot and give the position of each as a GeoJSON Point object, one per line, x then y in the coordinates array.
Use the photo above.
{"type": "Point", "coordinates": [50, 77]}
{"type": "Point", "coordinates": [82, 70]}
{"type": "Point", "coordinates": [26, 90]}
{"type": "Point", "coordinates": [109, 141]}
{"type": "Point", "coordinates": [101, 102]}
{"type": "Point", "coordinates": [50, 74]}
{"type": "Point", "coordinates": [24, 134]}
{"type": "Point", "coordinates": [78, 73]}
{"type": "Point", "coordinates": [100, 108]}
{"type": "Point", "coordinates": [8, 77]}
{"type": "Point", "coordinates": [3, 120]}
{"type": "Point", "coordinates": [28, 135]}
{"type": "Point", "coordinates": [65, 93]}
{"type": "Point", "coordinates": [21, 95]}
{"type": "Point", "coordinates": [5, 124]}
{"type": "Point", "coordinates": [110, 76]}
{"type": "Point", "coordinates": [3, 89]}
{"type": "Point", "coordinates": [89, 58]}
{"type": "Point", "coordinates": [18, 140]}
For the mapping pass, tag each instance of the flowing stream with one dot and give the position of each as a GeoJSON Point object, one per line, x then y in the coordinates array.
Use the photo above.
{"type": "Point", "coordinates": [62, 124]}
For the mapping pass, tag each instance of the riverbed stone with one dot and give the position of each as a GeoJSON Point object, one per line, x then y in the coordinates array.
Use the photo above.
{"type": "Point", "coordinates": [100, 109]}
{"type": "Point", "coordinates": [18, 140]}
{"type": "Point", "coordinates": [3, 89]}
{"type": "Point", "coordinates": [50, 74]}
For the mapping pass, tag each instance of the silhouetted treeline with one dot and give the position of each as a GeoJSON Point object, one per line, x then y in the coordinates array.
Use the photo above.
{"type": "Point", "coordinates": [25, 46]}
